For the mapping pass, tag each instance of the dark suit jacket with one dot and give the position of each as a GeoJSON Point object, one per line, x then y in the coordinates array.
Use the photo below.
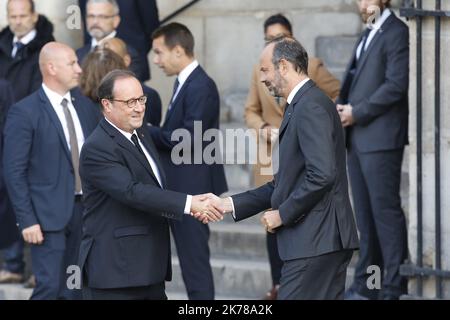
{"type": "Point", "coordinates": [8, 229]}
{"type": "Point", "coordinates": [125, 227]}
{"type": "Point", "coordinates": [139, 18]}
{"type": "Point", "coordinates": [22, 71]}
{"type": "Point", "coordinates": [310, 189]}
{"type": "Point", "coordinates": [378, 90]}
{"type": "Point", "coordinates": [198, 100]}
{"type": "Point", "coordinates": [153, 106]}
{"type": "Point", "coordinates": [37, 161]}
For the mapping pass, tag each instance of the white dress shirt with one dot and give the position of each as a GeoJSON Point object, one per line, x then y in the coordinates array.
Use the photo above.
{"type": "Point", "coordinates": [151, 161]}
{"type": "Point", "coordinates": [375, 28]}
{"type": "Point", "coordinates": [26, 39]}
{"type": "Point", "coordinates": [55, 101]}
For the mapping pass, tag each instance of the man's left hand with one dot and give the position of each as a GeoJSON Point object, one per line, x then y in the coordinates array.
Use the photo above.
{"type": "Point", "coordinates": [346, 114]}
{"type": "Point", "coordinates": [271, 220]}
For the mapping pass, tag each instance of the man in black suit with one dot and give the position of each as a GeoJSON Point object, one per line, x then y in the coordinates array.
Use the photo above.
{"type": "Point", "coordinates": [43, 136]}
{"type": "Point", "coordinates": [308, 199]}
{"type": "Point", "coordinates": [125, 251]}
{"type": "Point", "coordinates": [139, 20]}
{"type": "Point", "coordinates": [195, 99]}
{"type": "Point", "coordinates": [373, 105]}
{"type": "Point", "coordinates": [103, 18]}
{"type": "Point", "coordinates": [8, 229]}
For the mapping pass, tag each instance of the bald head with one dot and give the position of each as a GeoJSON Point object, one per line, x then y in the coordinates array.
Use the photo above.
{"type": "Point", "coordinates": [119, 47]}
{"type": "Point", "coordinates": [59, 67]}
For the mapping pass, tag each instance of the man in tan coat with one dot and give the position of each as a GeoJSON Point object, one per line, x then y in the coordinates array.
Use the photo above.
{"type": "Point", "coordinates": [264, 113]}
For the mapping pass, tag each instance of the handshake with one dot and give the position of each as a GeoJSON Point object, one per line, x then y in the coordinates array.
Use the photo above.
{"type": "Point", "coordinates": [209, 207]}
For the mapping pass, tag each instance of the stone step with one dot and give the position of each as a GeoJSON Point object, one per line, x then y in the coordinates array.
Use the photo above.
{"type": "Point", "coordinates": [238, 241]}
{"type": "Point", "coordinates": [241, 279]}
{"type": "Point", "coordinates": [14, 292]}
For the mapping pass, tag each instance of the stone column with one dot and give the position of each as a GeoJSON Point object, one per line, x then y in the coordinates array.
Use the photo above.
{"type": "Point", "coordinates": [428, 143]}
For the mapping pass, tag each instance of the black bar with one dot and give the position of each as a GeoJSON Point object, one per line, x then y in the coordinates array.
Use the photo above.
{"type": "Point", "coordinates": [178, 11]}
{"type": "Point", "coordinates": [419, 149]}
{"type": "Point", "coordinates": [413, 12]}
{"type": "Point", "coordinates": [411, 270]}
{"type": "Point", "coordinates": [437, 147]}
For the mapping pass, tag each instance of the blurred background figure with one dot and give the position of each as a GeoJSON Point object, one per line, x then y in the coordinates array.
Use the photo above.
{"type": "Point", "coordinates": [264, 113]}
{"type": "Point", "coordinates": [153, 108]}
{"type": "Point", "coordinates": [137, 21]}
{"type": "Point", "coordinates": [8, 229]}
{"type": "Point", "coordinates": [20, 43]}
{"type": "Point", "coordinates": [373, 107]}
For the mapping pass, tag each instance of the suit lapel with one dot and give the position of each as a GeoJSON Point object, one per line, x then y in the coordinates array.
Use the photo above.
{"type": "Point", "coordinates": [369, 50]}
{"type": "Point", "coordinates": [55, 120]}
{"type": "Point", "coordinates": [81, 116]}
{"type": "Point", "coordinates": [121, 140]}
{"type": "Point", "coordinates": [181, 93]}
{"type": "Point", "coordinates": [288, 114]}
{"type": "Point", "coordinates": [148, 144]}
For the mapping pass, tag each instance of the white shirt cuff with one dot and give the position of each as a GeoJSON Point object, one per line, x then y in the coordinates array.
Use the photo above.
{"type": "Point", "coordinates": [232, 206]}
{"type": "Point", "coordinates": [187, 207]}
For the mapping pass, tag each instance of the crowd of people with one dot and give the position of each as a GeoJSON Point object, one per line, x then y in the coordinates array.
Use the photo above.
{"type": "Point", "coordinates": [87, 177]}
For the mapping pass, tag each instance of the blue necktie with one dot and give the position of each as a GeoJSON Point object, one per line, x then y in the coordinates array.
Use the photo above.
{"type": "Point", "coordinates": [18, 46]}
{"type": "Point", "coordinates": [175, 88]}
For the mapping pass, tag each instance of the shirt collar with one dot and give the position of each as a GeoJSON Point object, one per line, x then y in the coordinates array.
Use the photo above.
{"type": "Point", "coordinates": [379, 22]}
{"type": "Point", "coordinates": [26, 39]}
{"type": "Point", "coordinates": [95, 43]}
{"type": "Point", "coordinates": [186, 72]}
{"type": "Point", "coordinates": [295, 90]}
{"type": "Point", "coordinates": [125, 133]}
{"type": "Point", "coordinates": [54, 97]}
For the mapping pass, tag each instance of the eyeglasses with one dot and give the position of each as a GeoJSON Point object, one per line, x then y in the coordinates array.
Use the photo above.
{"type": "Point", "coordinates": [132, 103]}
{"type": "Point", "coordinates": [99, 16]}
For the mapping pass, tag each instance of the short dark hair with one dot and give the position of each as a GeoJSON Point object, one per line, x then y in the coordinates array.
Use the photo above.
{"type": "Point", "coordinates": [176, 34]}
{"type": "Point", "coordinates": [32, 6]}
{"type": "Point", "coordinates": [106, 87]}
{"type": "Point", "coordinates": [291, 50]}
{"type": "Point", "coordinates": [277, 19]}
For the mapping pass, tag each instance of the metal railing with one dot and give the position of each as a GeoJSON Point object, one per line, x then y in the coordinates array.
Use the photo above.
{"type": "Point", "coordinates": [418, 270]}
{"type": "Point", "coordinates": [178, 11]}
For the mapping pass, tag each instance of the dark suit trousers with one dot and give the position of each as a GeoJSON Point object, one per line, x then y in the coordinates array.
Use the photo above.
{"type": "Point", "coordinates": [315, 278]}
{"type": "Point", "coordinates": [51, 259]}
{"type": "Point", "coordinates": [152, 292]}
{"type": "Point", "coordinates": [191, 239]}
{"type": "Point", "coordinates": [375, 182]}
{"type": "Point", "coordinates": [274, 258]}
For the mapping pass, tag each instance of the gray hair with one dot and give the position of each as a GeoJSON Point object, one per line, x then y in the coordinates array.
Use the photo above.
{"type": "Point", "coordinates": [112, 2]}
{"type": "Point", "coordinates": [291, 50]}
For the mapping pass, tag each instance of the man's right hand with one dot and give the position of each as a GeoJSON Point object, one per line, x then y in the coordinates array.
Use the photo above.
{"type": "Point", "coordinates": [33, 234]}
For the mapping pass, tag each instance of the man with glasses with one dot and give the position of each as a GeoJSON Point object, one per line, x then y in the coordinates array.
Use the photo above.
{"type": "Point", "coordinates": [102, 21]}
{"type": "Point", "coordinates": [264, 113]}
{"type": "Point", "coordinates": [125, 251]}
